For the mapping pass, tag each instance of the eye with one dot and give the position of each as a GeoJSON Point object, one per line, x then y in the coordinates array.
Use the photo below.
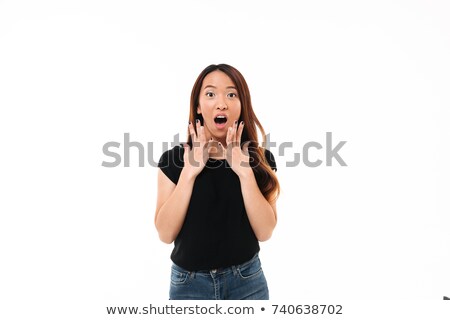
{"type": "Point", "coordinates": [232, 95]}
{"type": "Point", "coordinates": [209, 94]}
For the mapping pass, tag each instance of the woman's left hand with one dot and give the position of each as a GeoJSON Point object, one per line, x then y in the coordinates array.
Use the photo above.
{"type": "Point", "coordinates": [237, 158]}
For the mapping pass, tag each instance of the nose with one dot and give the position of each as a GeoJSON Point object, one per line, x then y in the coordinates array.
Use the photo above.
{"type": "Point", "coordinates": [221, 104]}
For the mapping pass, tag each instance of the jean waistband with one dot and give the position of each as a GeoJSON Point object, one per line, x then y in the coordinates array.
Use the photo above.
{"type": "Point", "coordinates": [232, 268]}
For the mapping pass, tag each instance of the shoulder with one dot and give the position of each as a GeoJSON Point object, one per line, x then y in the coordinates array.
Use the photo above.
{"type": "Point", "coordinates": [172, 155]}
{"type": "Point", "coordinates": [171, 162]}
{"type": "Point", "coordinates": [270, 158]}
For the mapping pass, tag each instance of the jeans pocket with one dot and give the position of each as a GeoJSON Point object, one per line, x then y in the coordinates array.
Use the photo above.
{"type": "Point", "coordinates": [179, 276]}
{"type": "Point", "coordinates": [250, 270]}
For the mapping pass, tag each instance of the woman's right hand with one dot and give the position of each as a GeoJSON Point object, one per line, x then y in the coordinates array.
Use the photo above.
{"type": "Point", "coordinates": [195, 159]}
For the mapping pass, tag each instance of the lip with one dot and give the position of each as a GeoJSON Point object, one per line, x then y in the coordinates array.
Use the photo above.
{"type": "Point", "coordinates": [221, 114]}
{"type": "Point", "coordinates": [221, 126]}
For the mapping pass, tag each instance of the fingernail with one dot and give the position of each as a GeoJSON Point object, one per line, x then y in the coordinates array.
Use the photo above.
{"type": "Point", "coordinates": [235, 121]}
{"type": "Point", "coordinates": [189, 123]}
{"type": "Point", "coordinates": [242, 123]}
{"type": "Point", "coordinates": [198, 120]}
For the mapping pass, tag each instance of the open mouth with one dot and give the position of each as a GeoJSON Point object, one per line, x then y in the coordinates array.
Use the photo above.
{"type": "Point", "coordinates": [220, 119]}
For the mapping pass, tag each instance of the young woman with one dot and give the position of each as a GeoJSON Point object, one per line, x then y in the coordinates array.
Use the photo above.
{"type": "Point", "coordinates": [217, 194]}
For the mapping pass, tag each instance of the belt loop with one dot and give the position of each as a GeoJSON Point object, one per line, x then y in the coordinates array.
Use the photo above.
{"type": "Point", "coordinates": [234, 270]}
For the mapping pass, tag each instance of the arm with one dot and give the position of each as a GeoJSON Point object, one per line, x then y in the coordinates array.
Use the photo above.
{"type": "Point", "coordinates": [261, 214]}
{"type": "Point", "coordinates": [172, 203]}
{"type": "Point", "coordinates": [173, 199]}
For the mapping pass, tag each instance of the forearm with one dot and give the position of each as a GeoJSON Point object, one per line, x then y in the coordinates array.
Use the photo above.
{"type": "Point", "coordinates": [170, 216]}
{"type": "Point", "coordinates": [259, 211]}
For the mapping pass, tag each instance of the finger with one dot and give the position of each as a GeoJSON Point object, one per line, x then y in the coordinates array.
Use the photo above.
{"type": "Point", "coordinates": [209, 144]}
{"type": "Point", "coordinates": [201, 134]}
{"type": "Point", "coordinates": [198, 125]}
{"type": "Point", "coordinates": [246, 162]}
{"type": "Point", "coordinates": [233, 132]}
{"type": "Point", "coordinates": [186, 152]}
{"type": "Point", "coordinates": [239, 132]}
{"type": "Point", "coordinates": [229, 135]}
{"type": "Point", "coordinates": [192, 132]}
{"type": "Point", "coordinates": [214, 148]}
{"type": "Point", "coordinates": [245, 147]}
{"type": "Point", "coordinates": [220, 148]}
{"type": "Point", "coordinates": [235, 124]}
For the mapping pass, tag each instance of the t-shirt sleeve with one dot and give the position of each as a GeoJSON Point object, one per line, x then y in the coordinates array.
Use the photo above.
{"type": "Point", "coordinates": [270, 159]}
{"type": "Point", "coordinates": [171, 163]}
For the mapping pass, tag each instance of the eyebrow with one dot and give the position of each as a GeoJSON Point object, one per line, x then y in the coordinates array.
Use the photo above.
{"type": "Point", "coordinates": [211, 86]}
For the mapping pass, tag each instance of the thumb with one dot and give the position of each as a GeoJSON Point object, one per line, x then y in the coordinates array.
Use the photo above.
{"type": "Point", "coordinates": [186, 152]}
{"type": "Point", "coordinates": [245, 147]}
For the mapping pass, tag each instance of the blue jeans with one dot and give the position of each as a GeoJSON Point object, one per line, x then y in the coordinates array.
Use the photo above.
{"type": "Point", "coordinates": [241, 282]}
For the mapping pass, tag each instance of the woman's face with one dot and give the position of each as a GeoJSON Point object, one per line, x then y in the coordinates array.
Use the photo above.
{"type": "Point", "coordinates": [219, 105]}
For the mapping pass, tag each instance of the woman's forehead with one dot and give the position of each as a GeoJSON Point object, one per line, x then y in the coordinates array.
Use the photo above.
{"type": "Point", "coordinates": [217, 79]}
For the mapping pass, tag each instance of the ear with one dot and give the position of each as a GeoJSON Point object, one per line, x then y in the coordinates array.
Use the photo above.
{"type": "Point", "coordinates": [199, 111]}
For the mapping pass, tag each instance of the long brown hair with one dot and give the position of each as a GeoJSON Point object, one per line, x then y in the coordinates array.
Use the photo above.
{"type": "Point", "coordinates": [265, 177]}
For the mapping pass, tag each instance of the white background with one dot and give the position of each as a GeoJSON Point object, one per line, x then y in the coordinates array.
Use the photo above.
{"type": "Point", "coordinates": [75, 75]}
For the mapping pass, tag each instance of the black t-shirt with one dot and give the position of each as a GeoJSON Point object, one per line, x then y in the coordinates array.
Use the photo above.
{"type": "Point", "coordinates": [216, 231]}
